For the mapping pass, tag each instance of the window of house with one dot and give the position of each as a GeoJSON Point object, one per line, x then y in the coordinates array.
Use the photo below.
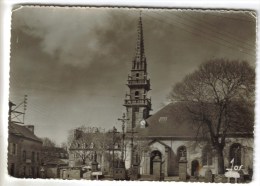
{"type": "Point", "coordinates": [38, 156]}
{"type": "Point", "coordinates": [12, 149]}
{"type": "Point", "coordinates": [207, 158]}
{"type": "Point", "coordinates": [33, 157]}
{"type": "Point", "coordinates": [15, 148]}
{"type": "Point", "coordinates": [235, 153]}
{"type": "Point", "coordinates": [86, 145]}
{"type": "Point", "coordinates": [181, 152]}
{"type": "Point", "coordinates": [24, 155]}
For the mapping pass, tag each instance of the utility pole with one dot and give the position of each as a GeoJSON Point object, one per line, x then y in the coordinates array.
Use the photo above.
{"type": "Point", "coordinates": [24, 106]}
{"type": "Point", "coordinates": [15, 114]}
{"type": "Point", "coordinates": [123, 119]}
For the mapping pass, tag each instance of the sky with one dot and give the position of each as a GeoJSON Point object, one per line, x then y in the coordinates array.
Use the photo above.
{"type": "Point", "coordinates": [73, 62]}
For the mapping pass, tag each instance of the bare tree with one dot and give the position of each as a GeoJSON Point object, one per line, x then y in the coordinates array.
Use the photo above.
{"type": "Point", "coordinates": [81, 143]}
{"type": "Point", "coordinates": [84, 141]}
{"type": "Point", "coordinates": [47, 142]}
{"type": "Point", "coordinates": [64, 145]}
{"type": "Point", "coordinates": [219, 98]}
{"type": "Point", "coordinates": [141, 147]}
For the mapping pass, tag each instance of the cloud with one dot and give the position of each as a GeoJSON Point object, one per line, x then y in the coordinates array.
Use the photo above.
{"type": "Point", "coordinates": [75, 61]}
{"type": "Point", "coordinates": [73, 36]}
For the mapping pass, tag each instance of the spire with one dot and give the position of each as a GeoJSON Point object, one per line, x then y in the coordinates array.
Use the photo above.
{"type": "Point", "coordinates": [139, 55]}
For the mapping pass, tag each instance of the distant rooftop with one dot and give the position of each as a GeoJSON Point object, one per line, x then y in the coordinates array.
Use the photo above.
{"type": "Point", "coordinates": [22, 131]}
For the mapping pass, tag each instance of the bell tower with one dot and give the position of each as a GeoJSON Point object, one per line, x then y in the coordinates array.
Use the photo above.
{"type": "Point", "coordinates": [137, 104]}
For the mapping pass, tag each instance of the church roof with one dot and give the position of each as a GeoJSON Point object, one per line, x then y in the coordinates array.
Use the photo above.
{"type": "Point", "coordinates": [172, 122]}
{"type": "Point", "coordinates": [168, 122]}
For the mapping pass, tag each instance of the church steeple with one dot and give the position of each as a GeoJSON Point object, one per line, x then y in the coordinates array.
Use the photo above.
{"type": "Point", "coordinates": [137, 104]}
{"type": "Point", "coordinates": [139, 61]}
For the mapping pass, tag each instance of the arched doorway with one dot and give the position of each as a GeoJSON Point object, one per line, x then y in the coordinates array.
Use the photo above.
{"type": "Point", "coordinates": [194, 168]}
{"type": "Point", "coordinates": [153, 154]}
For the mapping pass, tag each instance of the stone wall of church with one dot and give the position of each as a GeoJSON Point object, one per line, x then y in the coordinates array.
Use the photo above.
{"type": "Point", "coordinates": [137, 117]}
{"type": "Point", "coordinates": [194, 152]}
{"type": "Point", "coordinates": [247, 145]}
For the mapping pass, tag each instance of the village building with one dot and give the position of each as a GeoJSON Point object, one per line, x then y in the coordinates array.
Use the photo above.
{"type": "Point", "coordinates": [54, 156]}
{"type": "Point", "coordinates": [169, 139]}
{"type": "Point", "coordinates": [105, 147]}
{"type": "Point", "coordinates": [53, 159]}
{"type": "Point", "coordinates": [24, 151]}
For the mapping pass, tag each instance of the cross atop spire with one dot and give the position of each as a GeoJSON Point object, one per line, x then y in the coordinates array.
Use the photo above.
{"type": "Point", "coordinates": [139, 59]}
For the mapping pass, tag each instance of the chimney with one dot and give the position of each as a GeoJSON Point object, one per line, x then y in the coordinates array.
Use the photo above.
{"type": "Point", "coordinates": [77, 133]}
{"type": "Point", "coordinates": [30, 127]}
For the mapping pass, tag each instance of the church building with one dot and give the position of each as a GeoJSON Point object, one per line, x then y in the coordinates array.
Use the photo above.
{"type": "Point", "coordinates": [169, 138]}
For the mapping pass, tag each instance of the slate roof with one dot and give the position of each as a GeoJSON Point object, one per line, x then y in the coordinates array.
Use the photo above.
{"type": "Point", "coordinates": [22, 131]}
{"type": "Point", "coordinates": [55, 161]}
{"type": "Point", "coordinates": [168, 122]}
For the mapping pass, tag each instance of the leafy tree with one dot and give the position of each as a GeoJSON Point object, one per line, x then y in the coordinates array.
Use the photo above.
{"type": "Point", "coordinates": [219, 98]}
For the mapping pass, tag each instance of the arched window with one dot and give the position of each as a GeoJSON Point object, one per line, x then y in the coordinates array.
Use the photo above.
{"type": "Point", "coordinates": [235, 153]}
{"type": "Point", "coordinates": [137, 75]}
{"type": "Point", "coordinates": [136, 94]}
{"type": "Point", "coordinates": [207, 155]}
{"type": "Point", "coordinates": [181, 152]}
